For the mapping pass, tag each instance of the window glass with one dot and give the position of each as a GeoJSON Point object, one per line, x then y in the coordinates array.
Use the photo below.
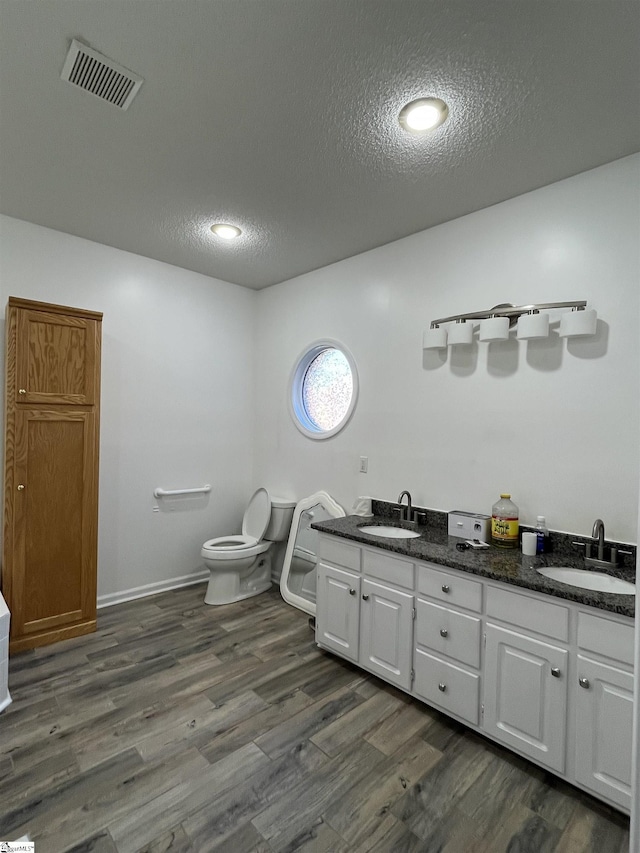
{"type": "Point", "coordinates": [323, 389]}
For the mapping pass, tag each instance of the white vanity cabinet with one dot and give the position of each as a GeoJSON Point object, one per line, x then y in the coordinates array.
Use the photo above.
{"type": "Point", "coordinates": [367, 609]}
{"type": "Point", "coordinates": [550, 679]}
{"type": "Point", "coordinates": [604, 707]}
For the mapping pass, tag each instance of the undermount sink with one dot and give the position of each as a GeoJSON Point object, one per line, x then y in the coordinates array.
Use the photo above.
{"type": "Point", "coordinates": [588, 580]}
{"type": "Point", "coordinates": [388, 532]}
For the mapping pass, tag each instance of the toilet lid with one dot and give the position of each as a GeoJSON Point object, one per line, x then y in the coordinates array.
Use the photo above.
{"type": "Point", "coordinates": [257, 515]}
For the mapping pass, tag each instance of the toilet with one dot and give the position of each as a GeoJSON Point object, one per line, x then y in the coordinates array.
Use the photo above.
{"type": "Point", "coordinates": [240, 565]}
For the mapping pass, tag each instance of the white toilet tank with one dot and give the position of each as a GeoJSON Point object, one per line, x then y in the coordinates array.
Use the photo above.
{"type": "Point", "coordinates": [280, 521]}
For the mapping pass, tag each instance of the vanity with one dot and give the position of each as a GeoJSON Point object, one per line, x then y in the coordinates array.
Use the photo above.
{"type": "Point", "coordinates": [543, 668]}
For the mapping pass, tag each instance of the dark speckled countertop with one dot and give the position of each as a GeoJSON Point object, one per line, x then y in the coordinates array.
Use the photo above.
{"type": "Point", "coordinates": [509, 566]}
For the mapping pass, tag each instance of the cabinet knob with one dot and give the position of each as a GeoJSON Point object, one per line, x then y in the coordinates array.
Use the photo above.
{"type": "Point", "coordinates": [584, 682]}
{"type": "Point", "coordinates": [444, 632]}
{"type": "Point", "coordinates": [365, 597]}
{"type": "Point", "coordinates": [445, 587]}
{"type": "Point", "coordinates": [352, 591]}
{"type": "Point", "coordinates": [22, 391]}
{"type": "Point", "coordinates": [21, 488]}
{"type": "Point", "coordinates": [555, 671]}
{"type": "Point", "coordinates": [442, 687]}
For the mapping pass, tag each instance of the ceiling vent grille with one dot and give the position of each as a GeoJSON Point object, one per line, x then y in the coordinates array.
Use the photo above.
{"type": "Point", "coordinates": [100, 76]}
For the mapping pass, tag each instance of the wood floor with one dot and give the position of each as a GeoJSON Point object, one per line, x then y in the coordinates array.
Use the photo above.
{"type": "Point", "coordinates": [183, 727]}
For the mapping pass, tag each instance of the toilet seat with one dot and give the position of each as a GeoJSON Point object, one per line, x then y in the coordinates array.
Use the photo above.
{"type": "Point", "coordinates": [235, 552]}
{"type": "Point", "coordinates": [254, 525]}
{"type": "Point", "coordinates": [230, 543]}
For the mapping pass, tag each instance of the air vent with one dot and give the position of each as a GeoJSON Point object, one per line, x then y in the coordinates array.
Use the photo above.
{"type": "Point", "coordinates": [100, 76]}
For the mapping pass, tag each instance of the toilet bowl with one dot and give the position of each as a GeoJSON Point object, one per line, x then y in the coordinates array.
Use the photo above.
{"type": "Point", "coordinates": [240, 565]}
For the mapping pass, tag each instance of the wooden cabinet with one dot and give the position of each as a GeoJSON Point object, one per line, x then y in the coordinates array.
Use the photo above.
{"type": "Point", "coordinates": [525, 702]}
{"type": "Point", "coordinates": [51, 472]}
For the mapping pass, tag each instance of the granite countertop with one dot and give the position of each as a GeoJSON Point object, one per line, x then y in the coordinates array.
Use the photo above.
{"type": "Point", "coordinates": [510, 566]}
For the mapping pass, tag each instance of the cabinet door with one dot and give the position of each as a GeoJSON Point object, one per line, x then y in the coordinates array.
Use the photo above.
{"type": "Point", "coordinates": [337, 611]}
{"type": "Point", "coordinates": [525, 702]}
{"type": "Point", "coordinates": [386, 619]}
{"type": "Point", "coordinates": [604, 722]}
{"type": "Point", "coordinates": [52, 537]}
{"type": "Point", "coordinates": [57, 359]}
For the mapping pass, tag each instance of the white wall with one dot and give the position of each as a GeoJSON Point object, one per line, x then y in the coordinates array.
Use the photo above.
{"type": "Point", "coordinates": [176, 394]}
{"type": "Point", "coordinates": [555, 422]}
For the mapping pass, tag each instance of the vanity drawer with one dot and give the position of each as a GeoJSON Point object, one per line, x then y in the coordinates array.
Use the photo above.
{"type": "Point", "coordinates": [393, 570]}
{"type": "Point", "coordinates": [447, 686]}
{"type": "Point", "coordinates": [448, 632]}
{"type": "Point", "coordinates": [339, 552]}
{"type": "Point", "coordinates": [605, 637]}
{"type": "Point", "coordinates": [453, 589]}
{"type": "Point", "coordinates": [527, 611]}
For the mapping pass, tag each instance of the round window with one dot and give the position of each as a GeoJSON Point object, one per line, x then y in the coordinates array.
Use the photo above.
{"type": "Point", "coordinates": [324, 389]}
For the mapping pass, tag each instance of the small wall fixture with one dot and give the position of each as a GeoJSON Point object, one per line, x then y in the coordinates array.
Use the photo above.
{"type": "Point", "coordinates": [533, 322]}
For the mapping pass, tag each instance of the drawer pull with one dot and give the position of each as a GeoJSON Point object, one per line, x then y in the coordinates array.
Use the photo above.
{"type": "Point", "coordinates": [22, 391]}
{"type": "Point", "coordinates": [444, 632]}
{"type": "Point", "coordinates": [442, 687]}
{"type": "Point", "coordinates": [21, 488]}
{"type": "Point", "coordinates": [446, 587]}
{"type": "Point", "coordinates": [555, 671]}
{"type": "Point", "coordinates": [365, 597]}
{"type": "Point", "coordinates": [352, 591]}
{"type": "Point", "coordinates": [584, 682]}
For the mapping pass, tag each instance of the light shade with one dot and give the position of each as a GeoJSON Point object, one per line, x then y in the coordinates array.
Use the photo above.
{"type": "Point", "coordinates": [460, 332]}
{"type": "Point", "coordinates": [434, 338]}
{"type": "Point", "coordinates": [533, 325]}
{"type": "Point", "coordinates": [578, 323]}
{"type": "Point", "coordinates": [494, 329]}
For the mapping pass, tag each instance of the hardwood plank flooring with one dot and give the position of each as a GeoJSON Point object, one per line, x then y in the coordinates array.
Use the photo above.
{"type": "Point", "coordinates": [186, 728]}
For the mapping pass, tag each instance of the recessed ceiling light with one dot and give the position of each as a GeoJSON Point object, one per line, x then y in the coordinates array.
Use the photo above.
{"type": "Point", "coordinates": [227, 232]}
{"type": "Point", "coordinates": [423, 115]}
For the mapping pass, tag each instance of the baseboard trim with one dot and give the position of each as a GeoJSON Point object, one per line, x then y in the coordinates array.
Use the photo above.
{"type": "Point", "coordinates": [151, 589]}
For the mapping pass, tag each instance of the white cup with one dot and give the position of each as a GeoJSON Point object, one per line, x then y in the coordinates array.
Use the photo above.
{"type": "Point", "coordinates": [529, 542]}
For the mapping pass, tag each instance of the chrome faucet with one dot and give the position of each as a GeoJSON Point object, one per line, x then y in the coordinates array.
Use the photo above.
{"type": "Point", "coordinates": [598, 533]}
{"type": "Point", "coordinates": [409, 510]}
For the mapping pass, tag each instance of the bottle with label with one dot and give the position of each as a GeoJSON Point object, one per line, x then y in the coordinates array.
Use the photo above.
{"type": "Point", "coordinates": [504, 523]}
{"type": "Point", "coordinates": [542, 532]}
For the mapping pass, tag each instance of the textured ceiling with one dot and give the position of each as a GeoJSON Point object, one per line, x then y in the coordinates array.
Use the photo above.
{"type": "Point", "coordinates": [281, 116]}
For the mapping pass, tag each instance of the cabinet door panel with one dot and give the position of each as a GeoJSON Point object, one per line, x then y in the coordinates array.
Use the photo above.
{"type": "Point", "coordinates": [54, 531]}
{"type": "Point", "coordinates": [57, 357]}
{"type": "Point", "coordinates": [449, 687]}
{"type": "Point", "coordinates": [337, 611]}
{"type": "Point", "coordinates": [604, 723]}
{"type": "Point", "coordinates": [387, 627]}
{"type": "Point", "coordinates": [525, 704]}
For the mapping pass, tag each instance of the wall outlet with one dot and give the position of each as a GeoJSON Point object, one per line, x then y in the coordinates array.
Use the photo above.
{"type": "Point", "coordinates": [364, 464]}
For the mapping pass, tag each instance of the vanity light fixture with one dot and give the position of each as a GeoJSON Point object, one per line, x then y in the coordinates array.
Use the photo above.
{"type": "Point", "coordinates": [423, 115]}
{"type": "Point", "coordinates": [227, 232]}
{"type": "Point", "coordinates": [497, 321]}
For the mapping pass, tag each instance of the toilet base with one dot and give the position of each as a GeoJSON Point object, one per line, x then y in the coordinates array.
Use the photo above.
{"type": "Point", "coordinates": [227, 586]}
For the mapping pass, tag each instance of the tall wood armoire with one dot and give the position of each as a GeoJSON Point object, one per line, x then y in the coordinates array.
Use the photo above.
{"type": "Point", "coordinates": [51, 472]}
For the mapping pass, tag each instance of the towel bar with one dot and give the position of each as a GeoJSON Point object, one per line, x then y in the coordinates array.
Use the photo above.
{"type": "Point", "coordinates": [163, 493]}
